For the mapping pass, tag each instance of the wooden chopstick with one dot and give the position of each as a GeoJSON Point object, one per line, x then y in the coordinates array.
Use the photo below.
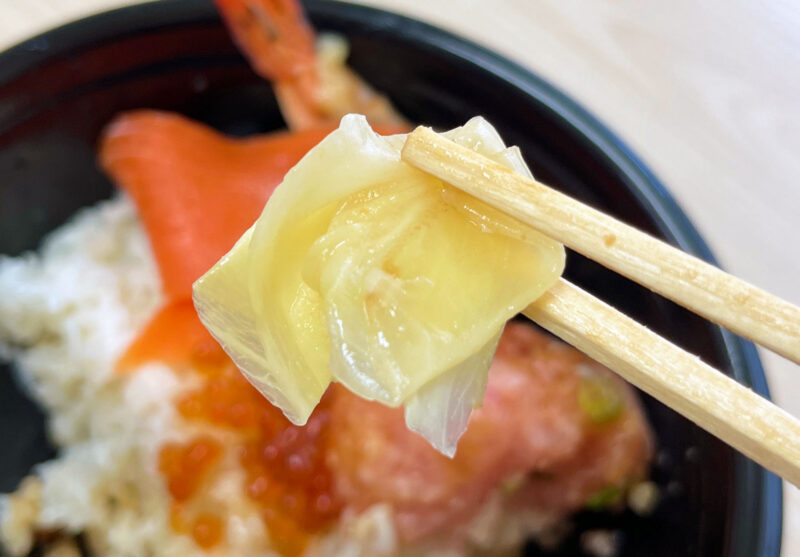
{"type": "Point", "coordinates": [684, 279]}
{"type": "Point", "coordinates": [735, 414]}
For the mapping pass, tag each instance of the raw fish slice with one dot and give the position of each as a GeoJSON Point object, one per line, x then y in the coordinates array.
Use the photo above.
{"type": "Point", "coordinates": [172, 336]}
{"type": "Point", "coordinates": [531, 436]}
{"type": "Point", "coordinates": [196, 190]}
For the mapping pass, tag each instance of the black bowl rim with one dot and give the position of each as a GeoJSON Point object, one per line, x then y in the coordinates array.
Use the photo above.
{"type": "Point", "coordinates": [752, 482]}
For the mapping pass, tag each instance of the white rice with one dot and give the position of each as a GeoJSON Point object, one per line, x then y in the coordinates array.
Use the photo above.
{"type": "Point", "coordinates": [65, 315]}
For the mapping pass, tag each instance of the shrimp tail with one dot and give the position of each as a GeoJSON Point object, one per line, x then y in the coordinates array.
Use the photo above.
{"type": "Point", "coordinates": [312, 83]}
{"type": "Point", "coordinates": [273, 35]}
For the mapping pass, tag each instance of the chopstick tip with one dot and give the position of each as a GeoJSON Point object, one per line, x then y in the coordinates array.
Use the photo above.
{"type": "Point", "coordinates": [414, 138]}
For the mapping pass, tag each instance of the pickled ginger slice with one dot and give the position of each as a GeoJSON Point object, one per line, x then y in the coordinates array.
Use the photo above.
{"type": "Point", "coordinates": [440, 409]}
{"type": "Point", "coordinates": [364, 270]}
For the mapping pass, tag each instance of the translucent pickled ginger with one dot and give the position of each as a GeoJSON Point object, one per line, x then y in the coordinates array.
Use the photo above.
{"type": "Point", "coordinates": [364, 270]}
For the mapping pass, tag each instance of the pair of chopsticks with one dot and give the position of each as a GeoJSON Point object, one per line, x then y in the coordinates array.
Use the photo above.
{"type": "Point", "coordinates": [735, 414]}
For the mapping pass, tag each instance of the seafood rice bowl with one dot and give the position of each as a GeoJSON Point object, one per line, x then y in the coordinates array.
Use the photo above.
{"type": "Point", "coordinates": [165, 448]}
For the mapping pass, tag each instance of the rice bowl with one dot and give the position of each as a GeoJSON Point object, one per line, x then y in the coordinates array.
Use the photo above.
{"type": "Point", "coordinates": [140, 317]}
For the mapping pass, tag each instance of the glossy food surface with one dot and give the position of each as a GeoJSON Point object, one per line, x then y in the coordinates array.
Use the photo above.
{"type": "Point", "coordinates": [365, 270]}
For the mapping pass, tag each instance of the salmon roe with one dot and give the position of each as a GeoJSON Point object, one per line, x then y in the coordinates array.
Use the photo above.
{"type": "Point", "coordinates": [185, 466]}
{"type": "Point", "coordinates": [286, 475]}
{"type": "Point", "coordinates": [207, 530]}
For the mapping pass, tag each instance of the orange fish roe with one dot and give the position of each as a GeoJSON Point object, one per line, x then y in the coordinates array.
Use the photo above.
{"type": "Point", "coordinates": [207, 530]}
{"type": "Point", "coordinates": [289, 479]}
{"type": "Point", "coordinates": [177, 518]}
{"type": "Point", "coordinates": [185, 466]}
{"type": "Point", "coordinates": [284, 464]}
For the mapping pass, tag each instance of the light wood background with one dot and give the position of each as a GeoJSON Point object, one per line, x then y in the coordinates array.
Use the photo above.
{"type": "Point", "coordinates": [707, 92]}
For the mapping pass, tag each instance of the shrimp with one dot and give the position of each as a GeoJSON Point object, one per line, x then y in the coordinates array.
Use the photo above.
{"type": "Point", "coordinates": [313, 85]}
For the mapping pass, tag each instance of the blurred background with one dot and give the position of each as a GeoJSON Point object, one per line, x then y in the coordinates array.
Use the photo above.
{"type": "Point", "coordinates": [706, 93]}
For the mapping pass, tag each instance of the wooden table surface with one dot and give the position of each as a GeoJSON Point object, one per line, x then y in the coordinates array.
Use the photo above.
{"type": "Point", "coordinates": [707, 93]}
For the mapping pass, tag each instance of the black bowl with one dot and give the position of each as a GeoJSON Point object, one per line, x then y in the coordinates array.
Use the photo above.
{"type": "Point", "coordinates": [59, 89]}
